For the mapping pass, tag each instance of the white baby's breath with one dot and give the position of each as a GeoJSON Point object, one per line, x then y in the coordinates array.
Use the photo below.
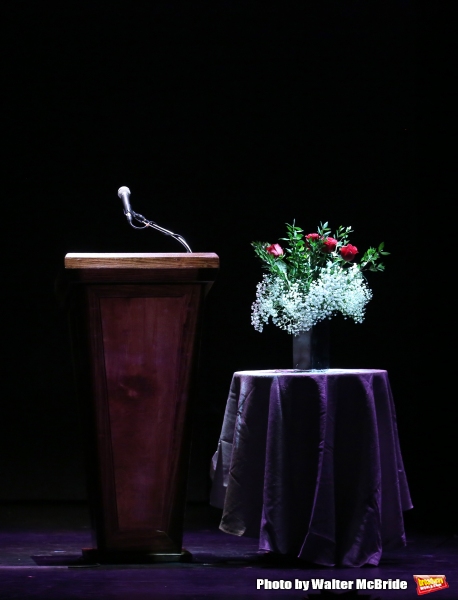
{"type": "Point", "coordinates": [335, 291]}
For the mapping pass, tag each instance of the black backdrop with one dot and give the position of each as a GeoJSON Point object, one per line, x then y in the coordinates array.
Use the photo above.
{"type": "Point", "coordinates": [227, 121]}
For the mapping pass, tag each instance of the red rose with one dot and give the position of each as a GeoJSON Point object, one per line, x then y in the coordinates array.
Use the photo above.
{"type": "Point", "coordinates": [275, 250]}
{"type": "Point", "coordinates": [348, 252]}
{"type": "Point", "coordinates": [329, 244]}
{"type": "Point", "coordinates": [312, 236]}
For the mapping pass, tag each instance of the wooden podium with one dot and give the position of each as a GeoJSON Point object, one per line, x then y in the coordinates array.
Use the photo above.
{"type": "Point", "coordinates": [135, 323]}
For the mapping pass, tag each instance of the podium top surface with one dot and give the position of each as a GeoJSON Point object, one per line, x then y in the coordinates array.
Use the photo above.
{"type": "Point", "coordinates": [129, 260]}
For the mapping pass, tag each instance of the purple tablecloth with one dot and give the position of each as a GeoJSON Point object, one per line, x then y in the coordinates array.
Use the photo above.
{"type": "Point", "coordinates": [310, 463]}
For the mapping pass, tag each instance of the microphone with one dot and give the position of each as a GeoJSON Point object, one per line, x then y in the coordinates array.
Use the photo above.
{"type": "Point", "coordinates": [124, 194]}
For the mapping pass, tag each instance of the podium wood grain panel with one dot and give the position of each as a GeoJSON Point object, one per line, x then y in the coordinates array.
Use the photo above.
{"type": "Point", "coordinates": [142, 356]}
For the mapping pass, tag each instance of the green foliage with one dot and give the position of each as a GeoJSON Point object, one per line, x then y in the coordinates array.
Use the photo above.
{"type": "Point", "coordinates": [304, 257]}
{"type": "Point", "coordinates": [370, 258]}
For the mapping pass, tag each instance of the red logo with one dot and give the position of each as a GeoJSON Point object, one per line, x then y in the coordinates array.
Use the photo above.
{"type": "Point", "coordinates": [430, 583]}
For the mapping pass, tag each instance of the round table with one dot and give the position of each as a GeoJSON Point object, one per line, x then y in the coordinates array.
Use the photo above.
{"type": "Point", "coordinates": [310, 463]}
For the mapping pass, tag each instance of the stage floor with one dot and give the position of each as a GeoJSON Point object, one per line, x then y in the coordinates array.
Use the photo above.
{"type": "Point", "coordinates": [40, 559]}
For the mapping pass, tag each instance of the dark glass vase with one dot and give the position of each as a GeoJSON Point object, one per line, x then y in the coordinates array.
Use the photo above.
{"type": "Point", "coordinates": [311, 348]}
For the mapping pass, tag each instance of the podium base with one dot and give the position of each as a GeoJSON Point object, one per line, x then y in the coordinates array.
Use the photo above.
{"type": "Point", "coordinates": [119, 557]}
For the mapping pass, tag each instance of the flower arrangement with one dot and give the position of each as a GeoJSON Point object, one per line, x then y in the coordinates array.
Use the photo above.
{"type": "Point", "coordinates": [312, 279]}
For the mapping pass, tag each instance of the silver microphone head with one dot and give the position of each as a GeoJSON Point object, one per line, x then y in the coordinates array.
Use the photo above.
{"type": "Point", "coordinates": [124, 194]}
{"type": "Point", "coordinates": [123, 190]}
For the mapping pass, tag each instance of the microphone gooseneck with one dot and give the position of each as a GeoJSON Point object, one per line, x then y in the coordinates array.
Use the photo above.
{"type": "Point", "coordinates": [124, 194]}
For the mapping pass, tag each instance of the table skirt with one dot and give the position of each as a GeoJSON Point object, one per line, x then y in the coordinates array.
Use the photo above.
{"type": "Point", "coordinates": [310, 463]}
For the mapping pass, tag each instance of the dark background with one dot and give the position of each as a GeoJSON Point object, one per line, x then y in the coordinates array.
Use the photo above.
{"type": "Point", "coordinates": [226, 120]}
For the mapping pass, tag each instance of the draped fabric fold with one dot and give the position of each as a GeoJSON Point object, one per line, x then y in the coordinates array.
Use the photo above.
{"type": "Point", "coordinates": [310, 463]}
